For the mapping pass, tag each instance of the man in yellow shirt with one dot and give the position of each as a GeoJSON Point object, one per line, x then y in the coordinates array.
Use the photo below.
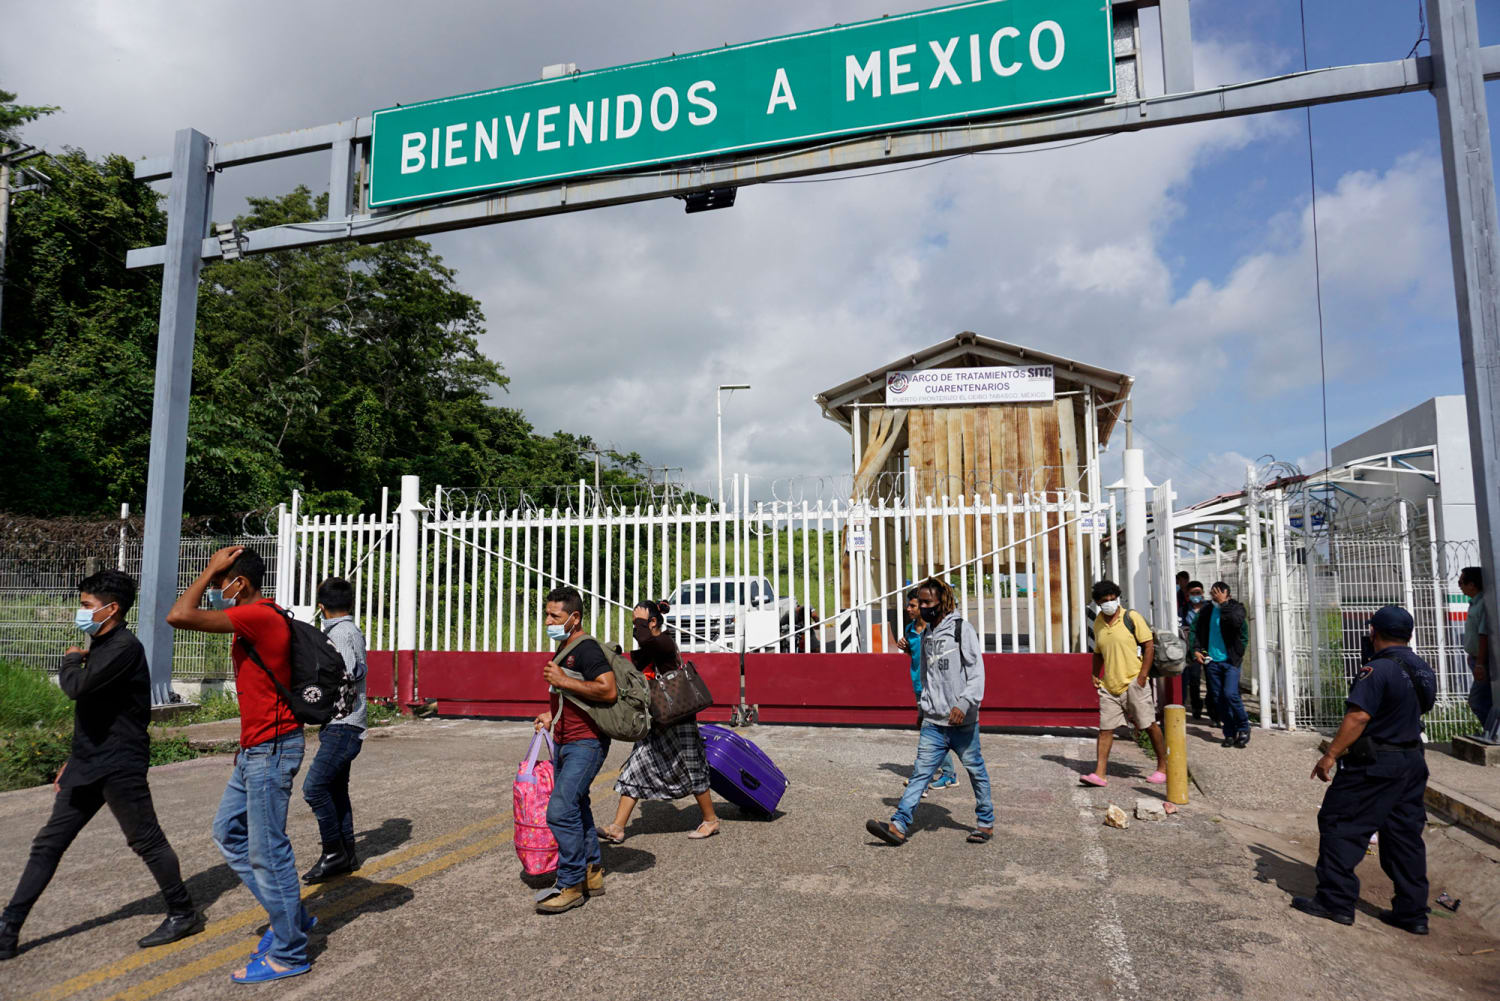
{"type": "Point", "coordinates": [1123, 648]}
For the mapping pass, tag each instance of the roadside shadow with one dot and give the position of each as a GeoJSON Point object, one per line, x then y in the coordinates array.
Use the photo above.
{"type": "Point", "coordinates": [618, 858]}
{"type": "Point", "coordinates": [902, 771]}
{"type": "Point", "coordinates": [656, 817]}
{"type": "Point", "coordinates": [1116, 769]}
{"type": "Point", "coordinates": [928, 816]}
{"type": "Point", "coordinates": [204, 887]}
{"type": "Point", "coordinates": [357, 896]}
{"type": "Point", "coordinates": [392, 833]}
{"type": "Point", "coordinates": [1292, 876]}
{"type": "Point", "coordinates": [1206, 733]}
{"type": "Point", "coordinates": [538, 881]}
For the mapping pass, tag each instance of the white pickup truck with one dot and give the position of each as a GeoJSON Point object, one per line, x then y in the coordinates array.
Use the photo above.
{"type": "Point", "coordinates": [709, 614]}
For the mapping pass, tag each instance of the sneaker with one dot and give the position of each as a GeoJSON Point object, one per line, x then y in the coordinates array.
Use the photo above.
{"type": "Point", "coordinates": [1242, 741]}
{"type": "Point", "coordinates": [944, 781]}
{"type": "Point", "coordinates": [1227, 742]}
{"type": "Point", "coordinates": [568, 899]}
{"type": "Point", "coordinates": [594, 882]}
{"type": "Point", "coordinates": [10, 939]}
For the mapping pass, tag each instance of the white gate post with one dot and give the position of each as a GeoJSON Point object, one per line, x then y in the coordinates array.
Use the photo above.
{"type": "Point", "coordinates": [1258, 597]}
{"type": "Point", "coordinates": [285, 533]}
{"type": "Point", "coordinates": [407, 539]}
{"type": "Point", "coordinates": [1136, 583]}
{"type": "Point", "coordinates": [1279, 541]}
{"type": "Point", "coordinates": [1439, 602]}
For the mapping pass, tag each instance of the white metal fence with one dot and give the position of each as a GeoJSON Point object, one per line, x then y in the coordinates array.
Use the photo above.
{"type": "Point", "coordinates": [1321, 581]}
{"type": "Point", "coordinates": [1020, 568]}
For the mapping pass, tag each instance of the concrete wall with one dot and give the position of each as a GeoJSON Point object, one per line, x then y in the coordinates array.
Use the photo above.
{"type": "Point", "coordinates": [1440, 421]}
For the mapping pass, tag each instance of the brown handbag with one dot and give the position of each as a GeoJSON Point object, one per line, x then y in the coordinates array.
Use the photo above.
{"type": "Point", "coordinates": [678, 694]}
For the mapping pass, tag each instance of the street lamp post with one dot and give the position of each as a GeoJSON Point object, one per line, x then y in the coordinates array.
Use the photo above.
{"type": "Point", "coordinates": [719, 422]}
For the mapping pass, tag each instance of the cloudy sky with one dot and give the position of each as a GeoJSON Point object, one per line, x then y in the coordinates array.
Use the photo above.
{"type": "Point", "coordinates": [1182, 256]}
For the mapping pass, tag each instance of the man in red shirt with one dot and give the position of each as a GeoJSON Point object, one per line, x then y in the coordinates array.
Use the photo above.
{"type": "Point", "coordinates": [578, 672]}
{"type": "Point", "coordinates": [250, 828]}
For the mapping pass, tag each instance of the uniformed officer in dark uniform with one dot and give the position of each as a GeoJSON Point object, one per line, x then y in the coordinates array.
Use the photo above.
{"type": "Point", "coordinates": [1380, 784]}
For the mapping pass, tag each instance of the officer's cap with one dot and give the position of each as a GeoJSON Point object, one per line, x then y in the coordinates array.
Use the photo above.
{"type": "Point", "coordinates": [1393, 621]}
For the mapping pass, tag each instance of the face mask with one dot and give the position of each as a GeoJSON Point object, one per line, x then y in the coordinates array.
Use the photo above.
{"type": "Point", "coordinates": [557, 633]}
{"type": "Point", "coordinates": [218, 602]}
{"type": "Point", "coordinates": [931, 614]}
{"type": "Point", "coordinates": [1110, 607]}
{"type": "Point", "coordinates": [84, 620]}
{"type": "Point", "coordinates": [1196, 599]}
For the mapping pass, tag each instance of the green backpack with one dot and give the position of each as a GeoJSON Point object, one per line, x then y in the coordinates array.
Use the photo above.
{"type": "Point", "coordinates": [629, 716]}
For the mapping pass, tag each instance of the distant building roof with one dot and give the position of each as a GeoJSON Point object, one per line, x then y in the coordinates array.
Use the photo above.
{"type": "Point", "coordinates": [968, 349]}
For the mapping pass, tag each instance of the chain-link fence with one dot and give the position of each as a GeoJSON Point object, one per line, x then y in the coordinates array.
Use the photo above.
{"type": "Point", "coordinates": [39, 594]}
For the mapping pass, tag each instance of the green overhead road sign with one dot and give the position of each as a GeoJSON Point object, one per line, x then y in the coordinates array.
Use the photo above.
{"type": "Point", "coordinates": [965, 61]}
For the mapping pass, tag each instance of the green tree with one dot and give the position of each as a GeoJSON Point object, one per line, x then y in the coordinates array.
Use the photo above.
{"type": "Point", "coordinates": [332, 369]}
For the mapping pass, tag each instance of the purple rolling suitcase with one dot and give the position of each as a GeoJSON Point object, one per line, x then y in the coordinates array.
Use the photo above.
{"type": "Point", "coordinates": [740, 772]}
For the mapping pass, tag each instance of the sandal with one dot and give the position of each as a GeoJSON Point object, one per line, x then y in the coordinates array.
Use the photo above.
{"type": "Point", "coordinates": [605, 834]}
{"type": "Point", "coordinates": [1093, 779]}
{"type": "Point", "coordinates": [260, 971]}
{"type": "Point", "coordinates": [980, 836]}
{"type": "Point", "coordinates": [889, 833]}
{"type": "Point", "coordinates": [263, 947]}
{"type": "Point", "coordinates": [698, 833]}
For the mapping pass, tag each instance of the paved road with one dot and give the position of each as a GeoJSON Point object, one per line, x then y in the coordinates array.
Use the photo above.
{"type": "Point", "coordinates": [804, 906]}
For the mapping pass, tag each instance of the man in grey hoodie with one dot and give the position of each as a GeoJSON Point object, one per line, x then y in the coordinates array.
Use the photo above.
{"type": "Point", "coordinates": [952, 689]}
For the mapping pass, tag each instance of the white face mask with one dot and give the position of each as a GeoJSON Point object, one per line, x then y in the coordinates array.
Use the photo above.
{"type": "Point", "coordinates": [1110, 607]}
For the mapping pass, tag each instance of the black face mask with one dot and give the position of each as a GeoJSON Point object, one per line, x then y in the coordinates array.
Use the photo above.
{"type": "Point", "coordinates": [642, 633]}
{"type": "Point", "coordinates": [931, 614]}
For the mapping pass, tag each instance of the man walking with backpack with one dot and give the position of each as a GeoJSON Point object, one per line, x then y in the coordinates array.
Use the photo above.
{"type": "Point", "coordinates": [1123, 649]}
{"type": "Point", "coordinates": [326, 787]}
{"type": "Point", "coordinates": [580, 675]}
{"type": "Point", "coordinates": [250, 828]}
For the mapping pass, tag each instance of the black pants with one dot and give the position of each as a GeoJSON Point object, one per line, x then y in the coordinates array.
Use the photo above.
{"type": "Point", "coordinates": [1192, 691]}
{"type": "Point", "coordinates": [129, 799]}
{"type": "Point", "coordinates": [1386, 796]}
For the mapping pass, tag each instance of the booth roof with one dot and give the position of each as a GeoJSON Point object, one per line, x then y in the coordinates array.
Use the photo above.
{"type": "Point", "coordinates": [968, 349]}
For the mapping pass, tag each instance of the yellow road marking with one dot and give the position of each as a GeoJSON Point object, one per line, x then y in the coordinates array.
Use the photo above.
{"type": "Point", "coordinates": [253, 915]}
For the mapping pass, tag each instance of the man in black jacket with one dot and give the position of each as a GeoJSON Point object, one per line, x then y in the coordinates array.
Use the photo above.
{"type": "Point", "coordinates": [111, 749]}
{"type": "Point", "coordinates": [1220, 635]}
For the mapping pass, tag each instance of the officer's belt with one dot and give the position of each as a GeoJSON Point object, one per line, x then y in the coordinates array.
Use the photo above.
{"type": "Point", "coordinates": [1382, 745]}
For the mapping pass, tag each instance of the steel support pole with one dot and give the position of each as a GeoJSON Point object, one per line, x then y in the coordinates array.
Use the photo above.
{"type": "Point", "coordinates": [4, 216]}
{"type": "Point", "coordinates": [1176, 46]}
{"type": "Point", "coordinates": [187, 224]}
{"type": "Point", "coordinates": [1469, 182]}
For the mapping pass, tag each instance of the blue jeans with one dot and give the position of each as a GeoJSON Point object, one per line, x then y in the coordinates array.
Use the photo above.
{"type": "Point", "coordinates": [1224, 680]}
{"type": "Point", "coordinates": [250, 831]}
{"type": "Point", "coordinates": [568, 813]}
{"type": "Point", "coordinates": [947, 771]}
{"type": "Point", "coordinates": [326, 787]}
{"type": "Point", "coordinates": [933, 745]}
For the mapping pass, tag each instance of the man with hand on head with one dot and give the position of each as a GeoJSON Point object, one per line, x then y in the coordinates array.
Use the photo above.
{"type": "Point", "coordinates": [111, 683]}
{"type": "Point", "coordinates": [250, 828]}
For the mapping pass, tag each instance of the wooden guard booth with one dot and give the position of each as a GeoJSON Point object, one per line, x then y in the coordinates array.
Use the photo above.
{"type": "Point", "coordinates": [1043, 448]}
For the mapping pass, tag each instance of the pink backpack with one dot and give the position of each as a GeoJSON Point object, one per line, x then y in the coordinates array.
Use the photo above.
{"type": "Point", "coordinates": [535, 845]}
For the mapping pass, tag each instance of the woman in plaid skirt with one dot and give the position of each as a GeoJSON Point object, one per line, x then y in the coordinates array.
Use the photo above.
{"type": "Point", "coordinates": [670, 763]}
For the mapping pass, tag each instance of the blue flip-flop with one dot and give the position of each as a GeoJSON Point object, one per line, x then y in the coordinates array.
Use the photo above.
{"type": "Point", "coordinates": [264, 946]}
{"type": "Point", "coordinates": [259, 971]}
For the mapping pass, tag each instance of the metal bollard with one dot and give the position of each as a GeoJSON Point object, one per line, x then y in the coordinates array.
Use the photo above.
{"type": "Point", "coordinates": [1174, 723]}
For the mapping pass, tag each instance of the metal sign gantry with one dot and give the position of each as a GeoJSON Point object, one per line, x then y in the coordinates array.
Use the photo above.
{"type": "Point", "coordinates": [1454, 74]}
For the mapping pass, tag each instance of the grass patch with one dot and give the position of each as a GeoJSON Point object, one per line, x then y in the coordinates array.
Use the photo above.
{"type": "Point", "coordinates": [165, 750]}
{"type": "Point", "coordinates": [28, 698]}
{"type": "Point", "coordinates": [215, 707]}
{"type": "Point", "coordinates": [381, 713]}
{"type": "Point", "coordinates": [31, 756]}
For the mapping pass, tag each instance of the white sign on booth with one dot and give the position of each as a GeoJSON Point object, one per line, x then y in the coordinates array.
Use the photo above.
{"type": "Point", "coordinates": [968, 386]}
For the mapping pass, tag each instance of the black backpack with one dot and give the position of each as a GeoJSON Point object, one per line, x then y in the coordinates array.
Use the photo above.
{"type": "Point", "coordinates": [319, 690]}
